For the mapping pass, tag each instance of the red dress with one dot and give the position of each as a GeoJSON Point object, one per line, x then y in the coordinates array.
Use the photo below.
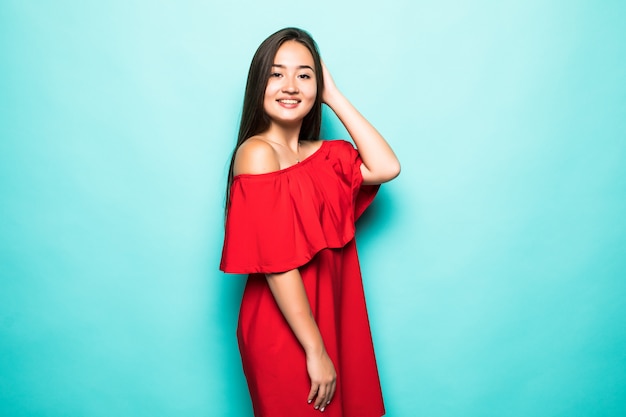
{"type": "Point", "coordinates": [303, 217]}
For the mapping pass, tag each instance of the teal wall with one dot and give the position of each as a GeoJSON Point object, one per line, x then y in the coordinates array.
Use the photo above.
{"type": "Point", "coordinates": [495, 265]}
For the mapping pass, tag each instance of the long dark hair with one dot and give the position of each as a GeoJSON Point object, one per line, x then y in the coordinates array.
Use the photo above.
{"type": "Point", "coordinates": [254, 120]}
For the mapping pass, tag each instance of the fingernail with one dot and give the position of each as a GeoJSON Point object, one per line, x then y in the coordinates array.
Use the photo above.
{"type": "Point", "coordinates": [317, 406]}
{"type": "Point", "coordinates": [327, 402]}
{"type": "Point", "coordinates": [309, 401]}
{"type": "Point", "coordinates": [322, 410]}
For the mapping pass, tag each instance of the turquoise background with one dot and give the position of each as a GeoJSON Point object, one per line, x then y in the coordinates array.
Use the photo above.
{"type": "Point", "coordinates": [494, 266]}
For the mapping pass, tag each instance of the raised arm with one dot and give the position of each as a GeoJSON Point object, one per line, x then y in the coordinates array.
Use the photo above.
{"type": "Point", "coordinates": [380, 163]}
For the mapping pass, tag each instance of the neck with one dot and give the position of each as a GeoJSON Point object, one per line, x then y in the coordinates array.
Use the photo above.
{"type": "Point", "coordinates": [284, 135]}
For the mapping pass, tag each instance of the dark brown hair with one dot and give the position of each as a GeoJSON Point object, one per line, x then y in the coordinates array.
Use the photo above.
{"type": "Point", "coordinates": [254, 120]}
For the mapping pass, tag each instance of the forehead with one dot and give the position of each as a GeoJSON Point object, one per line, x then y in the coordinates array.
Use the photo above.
{"type": "Point", "coordinates": [293, 53]}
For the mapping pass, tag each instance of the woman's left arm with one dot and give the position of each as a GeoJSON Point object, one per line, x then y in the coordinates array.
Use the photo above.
{"type": "Point", "coordinates": [380, 163]}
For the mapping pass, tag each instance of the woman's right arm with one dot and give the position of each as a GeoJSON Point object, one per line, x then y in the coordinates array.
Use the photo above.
{"type": "Point", "coordinates": [256, 156]}
{"type": "Point", "coordinates": [289, 293]}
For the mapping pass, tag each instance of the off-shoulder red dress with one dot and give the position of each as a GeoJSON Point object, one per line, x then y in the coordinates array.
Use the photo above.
{"type": "Point", "coordinates": [303, 217]}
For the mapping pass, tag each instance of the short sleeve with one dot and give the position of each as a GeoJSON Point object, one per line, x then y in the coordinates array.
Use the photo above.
{"type": "Point", "coordinates": [363, 194]}
{"type": "Point", "coordinates": [279, 221]}
{"type": "Point", "coordinates": [349, 166]}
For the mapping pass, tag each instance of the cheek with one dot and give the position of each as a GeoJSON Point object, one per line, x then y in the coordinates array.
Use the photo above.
{"type": "Point", "coordinates": [310, 92]}
{"type": "Point", "coordinates": [269, 95]}
{"type": "Point", "coordinates": [271, 88]}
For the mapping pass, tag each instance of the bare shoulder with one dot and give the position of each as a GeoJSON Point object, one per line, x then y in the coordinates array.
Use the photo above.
{"type": "Point", "coordinates": [255, 156]}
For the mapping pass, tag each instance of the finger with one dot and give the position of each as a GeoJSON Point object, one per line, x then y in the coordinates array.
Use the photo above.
{"type": "Point", "coordinates": [321, 397]}
{"type": "Point", "coordinates": [312, 392]}
{"type": "Point", "coordinates": [330, 393]}
{"type": "Point", "coordinates": [333, 389]}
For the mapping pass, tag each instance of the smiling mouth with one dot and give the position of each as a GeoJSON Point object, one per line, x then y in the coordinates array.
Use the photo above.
{"type": "Point", "coordinates": [289, 101]}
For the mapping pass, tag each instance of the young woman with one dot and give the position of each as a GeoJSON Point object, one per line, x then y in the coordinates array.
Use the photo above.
{"type": "Point", "coordinates": [292, 203]}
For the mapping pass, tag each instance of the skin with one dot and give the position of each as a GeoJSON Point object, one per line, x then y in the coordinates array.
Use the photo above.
{"type": "Point", "coordinates": [293, 78]}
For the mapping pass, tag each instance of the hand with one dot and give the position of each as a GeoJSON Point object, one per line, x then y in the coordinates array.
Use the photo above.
{"type": "Point", "coordinates": [330, 89]}
{"type": "Point", "coordinates": [323, 379]}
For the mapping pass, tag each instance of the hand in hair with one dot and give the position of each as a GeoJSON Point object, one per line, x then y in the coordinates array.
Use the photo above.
{"type": "Point", "coordinates": [330, 89]}
{"type": "Point", "coordinates": [380, 164]}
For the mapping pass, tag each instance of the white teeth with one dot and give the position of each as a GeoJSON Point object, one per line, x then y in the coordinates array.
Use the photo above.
{"type": "Point", "coordinates": [289, 101]}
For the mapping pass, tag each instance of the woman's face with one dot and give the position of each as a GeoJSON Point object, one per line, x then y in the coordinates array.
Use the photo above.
{"type": "Point", "coordinates": [291, 89]}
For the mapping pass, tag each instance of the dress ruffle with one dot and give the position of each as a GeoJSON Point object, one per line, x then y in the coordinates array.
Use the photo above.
{"type": "Point", "coordinates": [278, 221]}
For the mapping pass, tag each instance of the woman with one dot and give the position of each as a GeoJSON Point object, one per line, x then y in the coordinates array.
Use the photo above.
{"type": "Point", "coordinates": [292, 202]}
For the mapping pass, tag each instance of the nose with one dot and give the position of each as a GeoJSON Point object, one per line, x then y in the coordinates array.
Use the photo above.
{"type": "Point", "coordinates": [290, 86]}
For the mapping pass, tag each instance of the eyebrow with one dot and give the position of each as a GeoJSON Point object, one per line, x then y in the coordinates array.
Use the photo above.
{"type": "Point", "coordinates": [299, 66]}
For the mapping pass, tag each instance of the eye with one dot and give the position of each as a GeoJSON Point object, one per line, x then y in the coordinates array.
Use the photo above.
{"type": "Point", "coordinates": [305, 76]}
{"type": "Point", "coordinates": [275, 75]}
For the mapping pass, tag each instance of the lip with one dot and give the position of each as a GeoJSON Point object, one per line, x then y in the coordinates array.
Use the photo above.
{"type": "Point", "coordinates": [288, 103]}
